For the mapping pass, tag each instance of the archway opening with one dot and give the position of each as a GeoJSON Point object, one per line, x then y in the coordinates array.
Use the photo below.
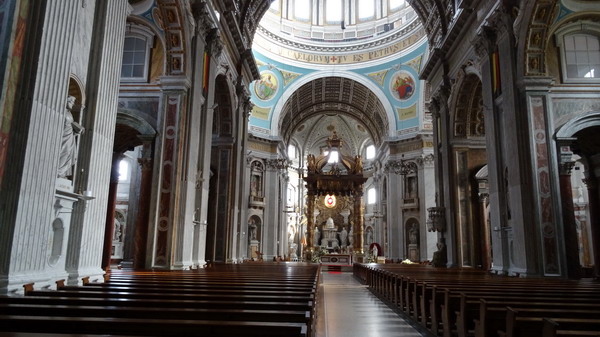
{"type": "Point", "coordinates": [222, 164]}
{"type": "Point", "coordinates": [585, 196]}
{"type": "Point", "coordinates": [469, 156]}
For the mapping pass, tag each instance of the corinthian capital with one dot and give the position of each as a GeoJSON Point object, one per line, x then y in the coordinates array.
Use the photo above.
{"type": "Point", "coordinates": [204, 21]}
{"type": "Point", "coordinates": [214, 42]}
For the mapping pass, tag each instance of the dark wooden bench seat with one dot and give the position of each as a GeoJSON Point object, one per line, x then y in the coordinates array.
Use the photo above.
{"type": "Point", "coordinates": [110, 302]}
{"type": "Point", "coordinates": [273, 297]}
{"type": "Point", "coordinates": [253, 315]}
{"type": "Point", "coordinates": [524, 323]}
{"type": "Point", "coordinates": [211, 286]}
{"type": "Point", "coordinates": [192, 291]}
{"type": "Point", "coordinates": [491, 315]}
{"type": "Point", "coordinates": [146, 327]}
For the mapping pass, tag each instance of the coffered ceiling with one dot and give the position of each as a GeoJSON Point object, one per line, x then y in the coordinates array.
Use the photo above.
{"type": "Point", "coordinates": [334, 95]}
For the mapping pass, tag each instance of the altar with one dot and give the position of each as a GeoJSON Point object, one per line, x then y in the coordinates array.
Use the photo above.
{"type": "Point", "coordinates": [335, 175]}
{"type": "Point", "coordinates": [336, 260]}
{"type": "Point", "coordinates": [329, 240]}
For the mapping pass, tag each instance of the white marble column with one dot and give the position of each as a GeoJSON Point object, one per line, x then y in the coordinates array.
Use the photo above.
{"type": "Point", "coordinates": [272, 211]}
{"type": "Point", "coordinates": [84, 255]}
{"type": "Point", "coordinates": [202, 105]}
{"type": "Point", "coordinates": [240, 185]}
{"type": "Point", "coordinates": [27, 195]}
{"type": "Point", "coordinates": [428, 240]}
{"type": "Point", "coordinates": [205, 145]}
{"type": "Point", "coordinates": [497, 203]}
{"type": "Point", "coordinates": [445, 179]}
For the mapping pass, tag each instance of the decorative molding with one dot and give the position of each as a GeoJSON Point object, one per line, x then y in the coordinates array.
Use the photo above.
{"type": "Point", "coordinates": [427, 160]}
{"type": "Point", "coordinates": [400, 167]}
{"type": "Point", "coordinates": [332, 49]}
{"type": "Point", "coordinates": [436, 220]}
{"type": "Point", "coordinates": [215, 45]}
{"type": "Point", "coordinates": [204, 21]}
{"type": "Point", "coordinates": [277, 164]}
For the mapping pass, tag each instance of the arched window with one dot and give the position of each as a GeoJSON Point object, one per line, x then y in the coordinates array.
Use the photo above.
{"type": "Point", "coordinates": [333, 11]}
{"type": "Point", "coordinates": [370, 153]}
{"type": "Point", "coordinates": [302, 10]}
{"type": "Point", "coordinates": [123, 170]}
{"type": "Point", "coordinates": [291, 151]}
{"type": "Point", "coordinates": [366, 9]}
{"type": "Point", "coordinates": [371, 196]}
{"type": "Point", "coordinates": [275, 6]}
{"type": "Point", "coordinates": [582, 56]}
{"type": "Point", "coordinates": [579, 45]}
{"type": "Point", "coordinates": [397, 4]}
{"type": "Point", "coordinates": [136, 54]}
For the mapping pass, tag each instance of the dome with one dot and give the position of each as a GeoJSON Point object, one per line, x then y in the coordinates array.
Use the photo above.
{"type": "Point", "coordinates": [334, 26]}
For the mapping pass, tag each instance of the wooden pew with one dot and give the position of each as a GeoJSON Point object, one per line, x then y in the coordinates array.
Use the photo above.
{"type": "Point", "coordinates": [446, 301]}
{"type": "Point", "coordinates": [538, 322]}
{"type": "Point", "coordinates": [225, 301]}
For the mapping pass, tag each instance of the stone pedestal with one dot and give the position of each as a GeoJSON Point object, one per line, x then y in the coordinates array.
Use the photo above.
{"type": "Point", "coordinates": [253, 249]}
{"type": "Point", "coordinates": [59, 231]}
{"type": "Point", "coordinates": [413, 252]}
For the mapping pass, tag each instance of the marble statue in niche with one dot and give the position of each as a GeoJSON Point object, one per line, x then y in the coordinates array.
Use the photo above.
{"type": "Point", "coordinates": [411, 187]}
{"type": "Point", "coordinates": [252, 230]}
{"type": "Point", "coordinates": [316, 237]}
{"type": "Point", "coordinates": [369, 236]}
{"type": "Point", "coordinates": [68, 147]}
{"type": "Point", "coordinates": [343, 237]}
{"type": "Point", "coordinates": [413, 234]}
{"type": "Point", "coordinates": [255, 188]}
{"type": "Point", "coordinates": [351, 236]}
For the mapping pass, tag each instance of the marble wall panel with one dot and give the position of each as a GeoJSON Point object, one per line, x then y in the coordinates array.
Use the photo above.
{"type": "Point", "coordinates": [565, 109]}
{"type": "Point", "coordinates": [551, 265]}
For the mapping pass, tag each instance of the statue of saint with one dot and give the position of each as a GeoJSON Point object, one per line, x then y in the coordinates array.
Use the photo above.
{"type": "Point", "coordinates": [343, 237]}
{"type": "Point", "coordinates": [369, 236]}
{"type": "Point", "coordinates": [358, 166]}
{"type": "Point", "coordinates": [293, 249]}
{"type": "Point", "coordinates": [351, 237]}
{"type": "Point", "coordinates": [68, 147]}
{"type": "Point", "coordinates": [329, 223]}
{"type": "Point", "coordinates": [316, 237]}
{"type": "Point", "coordinates": [413, 234]}
{"type": "Point", "coordinates": [252, 230]}
{"type": "Point", "coordinates": [311, 163]}
{"type": "Point", "coordinates": [291, 234]}
{"type": "Point", "coordinates": [375, 251]}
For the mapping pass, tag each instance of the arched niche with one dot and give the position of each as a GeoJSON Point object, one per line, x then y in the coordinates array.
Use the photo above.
{"type": "Point", "coordinates": [412, 235]}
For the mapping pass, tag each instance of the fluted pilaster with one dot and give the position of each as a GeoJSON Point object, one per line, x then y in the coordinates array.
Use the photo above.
{"type": "Point", "coordinates": [29, 181]}
{"type": "Point", "coordinates": [85, 244]}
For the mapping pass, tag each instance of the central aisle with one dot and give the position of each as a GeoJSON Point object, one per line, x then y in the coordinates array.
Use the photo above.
{"type": "Point", "coordinates": [349, 309]}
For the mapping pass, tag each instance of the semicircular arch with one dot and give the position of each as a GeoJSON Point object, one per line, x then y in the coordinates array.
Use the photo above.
{"type": "Point", "coordinates": [278, 110]}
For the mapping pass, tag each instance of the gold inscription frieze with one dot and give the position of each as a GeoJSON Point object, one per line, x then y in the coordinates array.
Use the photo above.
{"type": "Point", "coordinates": [351, 58]}
{"type": "Point", "coordinates": [262, 147]}
{"type": "Point", "coordinates": [409, 147]}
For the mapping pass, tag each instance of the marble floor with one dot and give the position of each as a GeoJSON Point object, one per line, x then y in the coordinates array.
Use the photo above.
{"type": "Point", "coordinates": [349, 309]}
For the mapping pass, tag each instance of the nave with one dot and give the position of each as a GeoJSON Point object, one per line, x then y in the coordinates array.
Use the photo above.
{"type": "Point", "coordinates": [298, 299]}
{"type": "Point", "coordinates": [349, 309]}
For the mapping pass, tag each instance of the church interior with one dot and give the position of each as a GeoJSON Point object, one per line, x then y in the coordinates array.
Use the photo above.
{"type": "Point", "coordinates": [435, 154]}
